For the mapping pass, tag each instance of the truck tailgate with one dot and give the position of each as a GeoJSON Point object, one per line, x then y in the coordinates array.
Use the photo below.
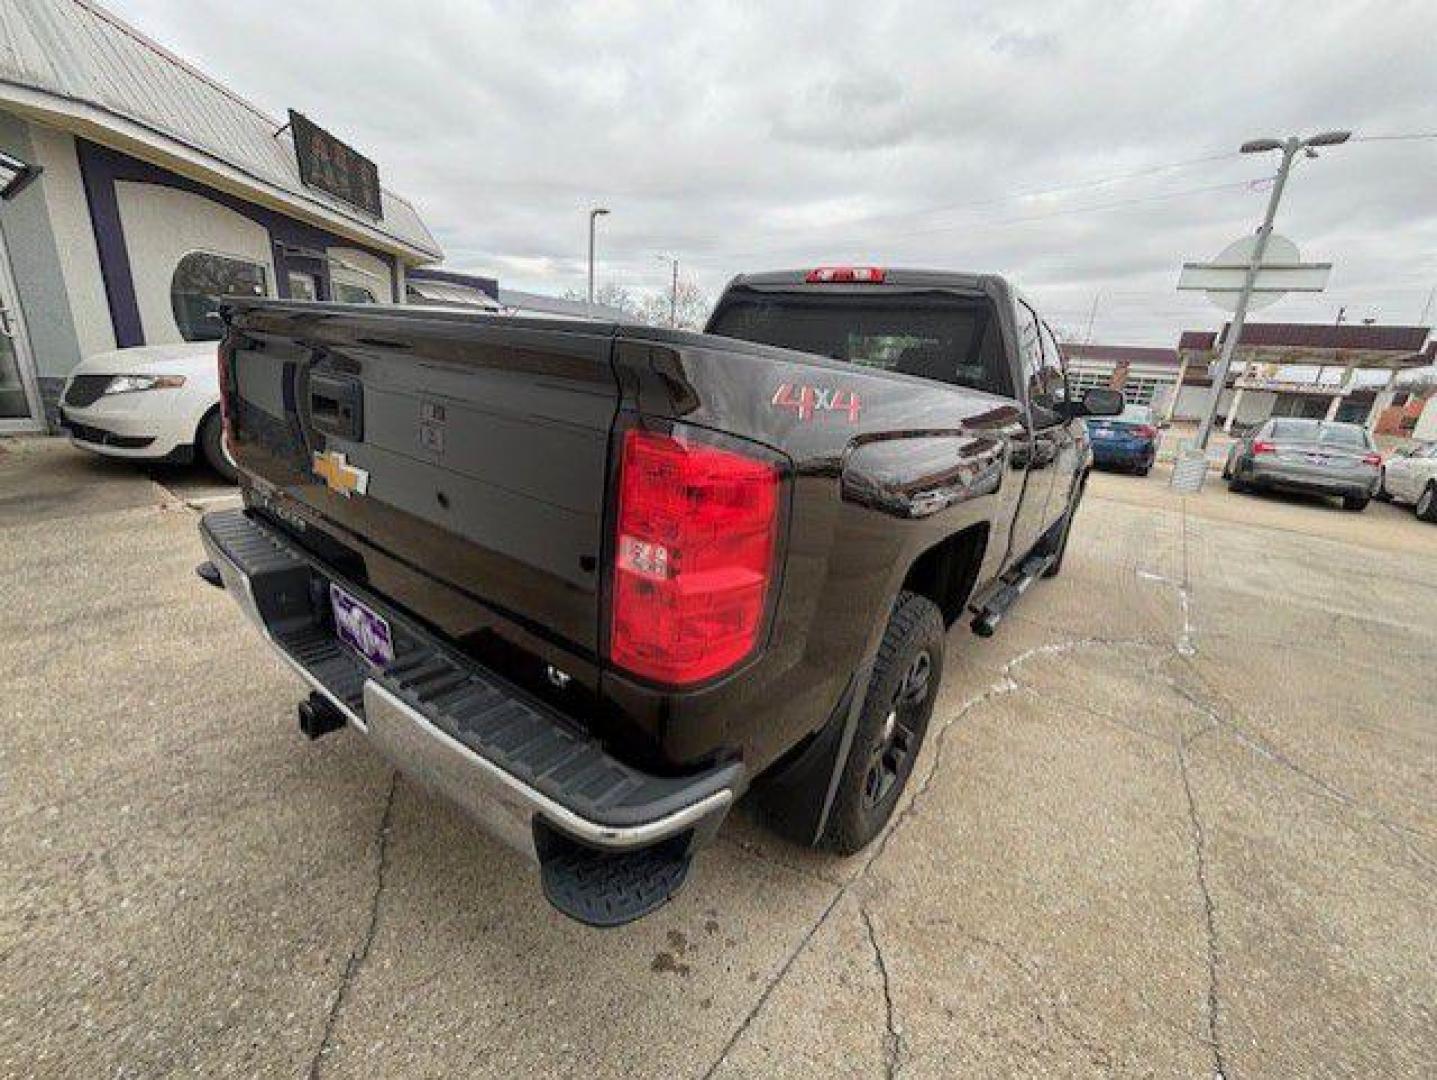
{"type": "Point", "coordinates": [460, 458]}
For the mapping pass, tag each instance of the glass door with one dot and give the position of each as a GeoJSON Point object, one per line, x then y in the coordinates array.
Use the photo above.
{"type": "Point", "coordinates": [19, 402]}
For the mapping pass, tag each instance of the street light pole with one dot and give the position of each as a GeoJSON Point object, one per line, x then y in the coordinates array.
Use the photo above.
{"type": "Point", "coordinates": [595, 213]}
{"type": "Point", "coordinates": [1290, 149]}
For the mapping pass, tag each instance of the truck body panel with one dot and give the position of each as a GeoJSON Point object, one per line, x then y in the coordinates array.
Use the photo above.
{"type": "Point", "coordinates": [457, 472]}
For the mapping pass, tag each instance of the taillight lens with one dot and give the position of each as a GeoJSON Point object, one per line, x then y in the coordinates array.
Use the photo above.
{"type": "Point", "coordinates": [1147, 431]}
{"type": "Point", "coordinates": [1261, 446]}
{"type": "Point", "coordinates": [694, 557]}
{"type": "Point", "coordinates": [1372, 459]}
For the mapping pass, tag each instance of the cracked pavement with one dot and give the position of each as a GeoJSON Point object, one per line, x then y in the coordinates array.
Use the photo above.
{"type": "Point", "coordinates": [1179, 817]}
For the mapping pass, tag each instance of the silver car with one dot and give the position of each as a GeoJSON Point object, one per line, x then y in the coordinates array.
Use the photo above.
{"type": "Point", "coordinates": [1313, 456]}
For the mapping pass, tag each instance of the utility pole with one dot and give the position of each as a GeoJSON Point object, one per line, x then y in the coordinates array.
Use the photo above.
{"type": "Point", "coordinates": [673, 261]}
{"type": "Point", "coordinates": [674, 296]}
{"type": "Point", "coordinates": [1290, 148]}
{"type": "Point", "coordinates": [595, 213]}
{"type": "Point", "coordinates": [1092, 315]}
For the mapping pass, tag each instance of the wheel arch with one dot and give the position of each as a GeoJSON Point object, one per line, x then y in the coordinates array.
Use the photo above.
{"type": "Point", "coordinates": [946, 572]}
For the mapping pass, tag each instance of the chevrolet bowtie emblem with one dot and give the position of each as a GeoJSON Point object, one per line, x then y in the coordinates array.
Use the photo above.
{"type": "Point", "coordinates": [339, 475]}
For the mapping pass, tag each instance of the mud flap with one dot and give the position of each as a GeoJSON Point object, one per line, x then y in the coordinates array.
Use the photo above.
{"type": "Point", "coordinates": [796, 798]}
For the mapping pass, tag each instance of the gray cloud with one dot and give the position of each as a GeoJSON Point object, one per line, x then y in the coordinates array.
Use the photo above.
{"type": "Point", "coordinates": [746, 136]}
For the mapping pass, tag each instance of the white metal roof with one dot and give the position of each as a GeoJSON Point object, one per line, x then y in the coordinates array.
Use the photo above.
{"type": "Point", "coordinates": [538, 303]}
{"type": "Point", "coordinates": [448, 292]}
{"type": "Point", "coordinates": [74, 64]}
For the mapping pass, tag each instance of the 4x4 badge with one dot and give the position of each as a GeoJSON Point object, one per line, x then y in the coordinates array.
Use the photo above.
{"type": "Point", "coordinates": [339, 475]}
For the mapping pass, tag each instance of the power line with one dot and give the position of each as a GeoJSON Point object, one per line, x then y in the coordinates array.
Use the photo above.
{"type": "Point", "coordinates": [933, 230]}
{"type": "Point", "coordinates": [1038, 193]}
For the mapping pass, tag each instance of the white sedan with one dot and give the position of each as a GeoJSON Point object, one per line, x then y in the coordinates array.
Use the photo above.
{"type": "Point", "coordinates": [151, 402]}
{"type": "Point", "coordinates": [1410, 476]}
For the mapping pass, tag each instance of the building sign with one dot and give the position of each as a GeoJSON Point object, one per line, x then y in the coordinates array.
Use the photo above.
{"type": "Point", "coordinates": [329, 165]}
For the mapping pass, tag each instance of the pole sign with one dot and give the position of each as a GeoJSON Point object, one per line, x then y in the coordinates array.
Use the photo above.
{"type": "Point", "coordinates": [333, 167]}
{"type": "Point", "coordinates": [1280, 272]}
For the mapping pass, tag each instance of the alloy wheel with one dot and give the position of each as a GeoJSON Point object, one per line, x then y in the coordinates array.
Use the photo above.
{"type": "Point", "coordinates": [896, 743]}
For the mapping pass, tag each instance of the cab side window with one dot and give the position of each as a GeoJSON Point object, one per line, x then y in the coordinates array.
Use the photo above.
{"type": "Point", "coordinates": [1055, 366]}
{"type": "Point", "coordinates": [1042, 368]}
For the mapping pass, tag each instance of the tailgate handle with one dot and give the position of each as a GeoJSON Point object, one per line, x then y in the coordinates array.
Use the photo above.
{"type": "Point", "coordinates": [336, 405]}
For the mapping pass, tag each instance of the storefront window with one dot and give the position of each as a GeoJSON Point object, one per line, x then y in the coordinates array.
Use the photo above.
{"type": "Point", "coordinates": [346, 293]}
{"type": "Point", "coordinates": [201, 282]}
{"type": "Point", "coordinates": [302, 286]}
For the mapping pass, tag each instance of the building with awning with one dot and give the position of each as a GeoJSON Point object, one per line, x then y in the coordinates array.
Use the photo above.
{"type": "Point", "coordinates": [1342, 372]}
{"type": "Point", "coordinates": [1317, 370]}
{"type": "Point", "coordinates": [1145, 374]}
{"type": "Point", "coordinates": [147, 191]}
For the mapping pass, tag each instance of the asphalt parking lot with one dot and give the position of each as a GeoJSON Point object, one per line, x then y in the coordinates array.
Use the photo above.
{"type": "Point", "coordinates": [1178, 818]}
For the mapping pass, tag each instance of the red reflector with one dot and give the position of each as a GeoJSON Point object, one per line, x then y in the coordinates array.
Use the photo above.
{"type": "Point", "coordinates": [869, 275]}
{"type": "Point", "coordinates": [696, 534]}
{"type": "Point", "coordinates": [1262, 447]}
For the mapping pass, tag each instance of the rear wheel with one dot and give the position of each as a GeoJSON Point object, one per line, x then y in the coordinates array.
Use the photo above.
{"type": "Point", "coordinates": [891, 726]}
{"type": "Point", "coordinates": [1382, 495]}
{"type": "Point", "coordinates": [1237, 485]}
{"type": "Point", "coordinates": [1355, 503]}
{"type": "Point", "coordinates": [1427, 503]}
{"type": "Point", "coordinates": [212, 447]}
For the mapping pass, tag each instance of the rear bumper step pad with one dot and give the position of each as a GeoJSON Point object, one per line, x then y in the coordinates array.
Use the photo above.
{"type": "Point", "coordinates": [612, 842]}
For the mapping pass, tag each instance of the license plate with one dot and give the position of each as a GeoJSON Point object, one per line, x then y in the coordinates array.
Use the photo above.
{"type": "Point", "coordinates": [1318, 459]}
{"type": "Point", "coordinates": [361, 629]}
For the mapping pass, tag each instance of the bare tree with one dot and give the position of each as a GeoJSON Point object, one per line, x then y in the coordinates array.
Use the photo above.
{"type": "Point", "coordinates": [687, 307]}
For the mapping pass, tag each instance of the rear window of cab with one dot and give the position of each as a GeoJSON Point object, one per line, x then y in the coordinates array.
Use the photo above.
{"type": "Point", "coordinates": [934, 335]}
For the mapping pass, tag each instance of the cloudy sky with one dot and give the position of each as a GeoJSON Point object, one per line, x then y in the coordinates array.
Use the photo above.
{"type": "Point", "coordinates": [1084, 148]}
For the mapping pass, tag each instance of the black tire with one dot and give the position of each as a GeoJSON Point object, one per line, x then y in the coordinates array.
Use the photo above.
{"type": "Point", "coordinates": [1145, 468]}
{"type": "Point", "coordinates": [211, 446]}
{"type": "Point", "coordinates": [891, 725]}
{"type": "Point", "coordinates": [1355, 503]}
{"type": "Point", "coordinates": [1382, 495]}
{"type": "Point", "coordinates": [1427, 503]}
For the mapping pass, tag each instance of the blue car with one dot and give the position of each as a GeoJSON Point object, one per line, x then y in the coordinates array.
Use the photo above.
{"type": "Point", "coordinates": [1128, 441]}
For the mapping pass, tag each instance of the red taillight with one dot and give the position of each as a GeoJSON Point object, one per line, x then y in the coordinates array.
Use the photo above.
{"type": "Point", "coordinates": [1261, 446]}
{"type": "Point", "coordinates": [696, 533]}
{"type": "Point", "coordinates": [1372, 459]}
{"type": "Point", "coordinates": [1147, 431]}
{"type": "Point", "coordinates": [869, 275]}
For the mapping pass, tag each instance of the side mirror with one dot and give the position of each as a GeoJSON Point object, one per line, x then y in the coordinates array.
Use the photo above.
{"type": "Point", "coordinates": [1101, 402]}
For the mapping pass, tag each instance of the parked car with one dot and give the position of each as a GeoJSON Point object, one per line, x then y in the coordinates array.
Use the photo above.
{"type": "Point", "coordinates": [1126, 441]}
{"type": "Point", "coordinates": [593, 580]}
{"type": "Point", "coordinates": [1312, 456]}
{"type": "Point", "coordinates": [1410, 476]}
{"type": "Point", "coordinates": [148, 403]}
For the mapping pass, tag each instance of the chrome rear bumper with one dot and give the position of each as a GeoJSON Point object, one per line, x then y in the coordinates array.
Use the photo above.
{"type": "Point", "coordinates": [532, 777]}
